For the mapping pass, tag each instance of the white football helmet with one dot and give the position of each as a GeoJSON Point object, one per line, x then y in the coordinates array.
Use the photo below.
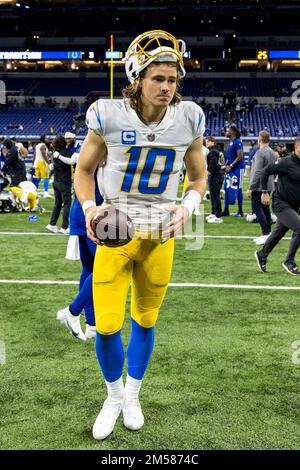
{"type": "Point", "coordinates": [153, 46]}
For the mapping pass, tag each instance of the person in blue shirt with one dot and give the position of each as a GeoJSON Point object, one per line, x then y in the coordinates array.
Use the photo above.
{"type": "Point", "coordinates": [87, 250]}
{"type": "Point", "coordinates": [235, 167]}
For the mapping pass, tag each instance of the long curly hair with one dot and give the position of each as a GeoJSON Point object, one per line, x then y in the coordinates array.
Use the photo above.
{"type": "Point", "coordinates": [59, 143]}
{"type": "Point", "coordinates": [133, 91]}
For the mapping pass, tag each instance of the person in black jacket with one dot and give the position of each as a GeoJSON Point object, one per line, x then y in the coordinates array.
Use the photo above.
{"type": "Point", "coordinates": [62, 187]}
{"type": "Point", "coordinates": [286, 205]}
{"type": "Point", "coordinates": [13, 166]}
{"type": "Point", "coordinates": [216, 172]}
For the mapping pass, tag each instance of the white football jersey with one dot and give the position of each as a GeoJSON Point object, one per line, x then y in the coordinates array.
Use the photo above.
{"type": "Point", "coordinates": [141, 174]}
{"type": "Point", "coordinates": [28, 187]}
{"type": "Point", "coordinates": [38, 153]}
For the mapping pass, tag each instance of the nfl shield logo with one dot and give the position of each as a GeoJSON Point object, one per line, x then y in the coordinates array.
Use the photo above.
{"type": "Point", "coordinates": [151, 137]}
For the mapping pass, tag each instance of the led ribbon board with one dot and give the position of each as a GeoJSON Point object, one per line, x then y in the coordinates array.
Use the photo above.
{"type": "Point", "coordinates": [40, 55]}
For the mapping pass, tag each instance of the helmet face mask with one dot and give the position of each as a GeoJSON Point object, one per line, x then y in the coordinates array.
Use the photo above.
{"type": "Point", "coordinates": [153, 46]}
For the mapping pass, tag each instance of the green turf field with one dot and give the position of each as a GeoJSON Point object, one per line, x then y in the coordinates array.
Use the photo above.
{"type": "Point", "coordinates": [221, 375]}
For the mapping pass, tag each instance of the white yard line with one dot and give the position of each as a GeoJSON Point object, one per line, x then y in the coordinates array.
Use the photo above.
{"type": "Point", "coordinates": [240, 237]}
{"type": "Point", "coordinates": [29, 233]}
{"type": "Point", "coordinates": [172, 284]}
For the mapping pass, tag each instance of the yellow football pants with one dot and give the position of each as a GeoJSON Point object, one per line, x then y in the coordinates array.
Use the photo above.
{"type": "Point", "coordinates": [31, 198]}
{"type": "Point", "coordinates": [42, 170]}
{"type": "Point", "coordinates": [147, 265]}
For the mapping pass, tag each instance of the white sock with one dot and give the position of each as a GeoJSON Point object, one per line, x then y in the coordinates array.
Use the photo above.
{"type": "Point", "coordinates": [115, 390]}
{"type": "Point", "coordinates": [132, 388]}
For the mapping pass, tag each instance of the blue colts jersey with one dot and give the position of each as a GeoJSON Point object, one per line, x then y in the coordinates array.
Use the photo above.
{"type": "Point", "coordinates": [231, 153]}
{"type": "Point", "coordinates": [232, 183]}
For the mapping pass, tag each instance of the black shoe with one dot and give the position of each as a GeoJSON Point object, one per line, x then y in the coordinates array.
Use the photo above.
{"type": "Point", "coordinates": [291, 267]}
{"type": "Point", "coordinates": [261, 261]}
{"type": "Point", "coordinates": [225, 213]}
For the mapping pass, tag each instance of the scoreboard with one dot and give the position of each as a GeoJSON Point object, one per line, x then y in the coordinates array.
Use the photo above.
{"type": "Point", "coordinates": [265, 55]}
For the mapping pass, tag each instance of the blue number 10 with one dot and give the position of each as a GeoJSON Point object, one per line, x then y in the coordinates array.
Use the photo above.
{"type": "Point", "coordinates": [144, 182]}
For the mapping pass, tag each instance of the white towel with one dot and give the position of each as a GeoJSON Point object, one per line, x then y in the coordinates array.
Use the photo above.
{"type": "Point", "coordinates": [73, 248]}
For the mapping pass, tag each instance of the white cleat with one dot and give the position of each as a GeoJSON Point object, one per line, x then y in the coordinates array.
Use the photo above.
{"type": "Point", "coordinates": [52, 228]}
{"type": "Point", "coordinates": [90, 331]}
{"type": "Point", "coordinates": [72, 322]}
{"type": "Point", "coordinates": [106, 419]}
{"type": "Point", "coordinates": [262, 240]}
{"type": "Point", "coordinates": [64, 231]}
{"type": "Point", "coordinates": [47, 195]}
{"type": "Point", "coordinates": [210, 216]}
{"type": "Point", "coordinates": [215, 220]}
{"type": "Point", "coordinates": [132, 415]}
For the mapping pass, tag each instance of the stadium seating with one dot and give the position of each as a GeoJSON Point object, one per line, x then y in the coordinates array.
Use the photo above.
{"type": "Point", "coordinates": [192, 86]}
{"type": "Point", "coordinates": [34, 121]}
{"type": "Point", "coordinates": [282, 122]}
{"type": "Point", "coordinates": [58, 87]}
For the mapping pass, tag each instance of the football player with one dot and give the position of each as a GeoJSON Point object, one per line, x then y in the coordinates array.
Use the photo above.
{"type": "Point", "coordinates": [235, 167]}
{"type": "Point", "coordinates": [41, 165]}
{"type": "Point", "coordinates": [139, 144]}
{"type": "Point", "coordinates": [26, 196]}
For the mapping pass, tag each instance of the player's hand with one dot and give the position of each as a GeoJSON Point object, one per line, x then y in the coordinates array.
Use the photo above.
{"type": "Point", "coordinates": [179, 218]}
{"type": "Point", "coordinates": [265, 199]}
{"type": "Point", "coordinates": [249, 193]}
{"type": "Point", "coordinates": [55, 154]}
{"type": "Point", "coordinates": [227, 169]}
{"type": "Point", "coordinates": [90, 214]}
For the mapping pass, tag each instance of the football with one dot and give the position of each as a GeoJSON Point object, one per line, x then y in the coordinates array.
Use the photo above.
{"type": "Point", "coordinates": [112, 227]}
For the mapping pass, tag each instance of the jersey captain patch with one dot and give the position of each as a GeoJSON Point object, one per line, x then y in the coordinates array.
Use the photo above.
{"type": "Point", "coordinates": [128, 137]}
